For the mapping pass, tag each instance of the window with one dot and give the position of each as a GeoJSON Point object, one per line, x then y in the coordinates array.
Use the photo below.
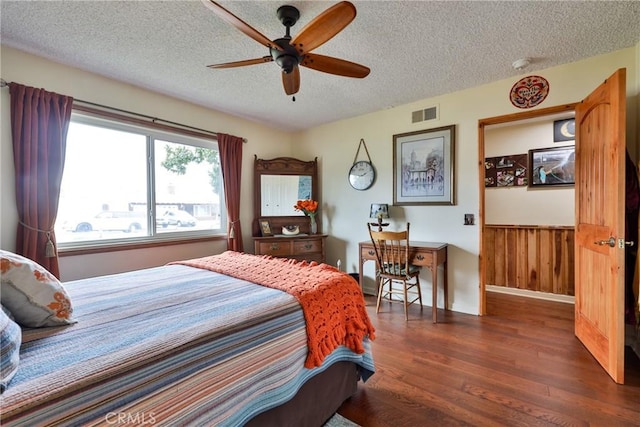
{"type": "Point", "coordinates": [126, 183]}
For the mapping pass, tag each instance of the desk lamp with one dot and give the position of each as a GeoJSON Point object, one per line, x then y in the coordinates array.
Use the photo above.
{"type": "Point", "coordinates": [379, 211]}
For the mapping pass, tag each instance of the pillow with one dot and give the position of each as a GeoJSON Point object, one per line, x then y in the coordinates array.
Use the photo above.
{"type": "Point", "coordinates": [10, 340]}
{"type": "Point", "coordinates": [32, 294]}
{"type": "Point", "coordinates": [7, 312]}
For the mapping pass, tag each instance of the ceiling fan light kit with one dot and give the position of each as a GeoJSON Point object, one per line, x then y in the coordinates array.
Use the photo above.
{"type": "Point", "coordinates": [290, 53]}
{"type": "Point", "coordinates": [287, 56]}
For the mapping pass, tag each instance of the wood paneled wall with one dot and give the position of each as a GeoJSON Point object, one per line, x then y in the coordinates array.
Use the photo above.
{"type": "Point", "coordinates": [537, 258]}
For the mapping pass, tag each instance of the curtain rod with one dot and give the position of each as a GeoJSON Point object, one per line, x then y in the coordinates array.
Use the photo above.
{"type": "Point", "coordinates": [3, 83]}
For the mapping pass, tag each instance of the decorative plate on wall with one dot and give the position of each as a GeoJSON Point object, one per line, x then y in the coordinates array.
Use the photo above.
{"type": "Point", "coordinates": [529, 91]}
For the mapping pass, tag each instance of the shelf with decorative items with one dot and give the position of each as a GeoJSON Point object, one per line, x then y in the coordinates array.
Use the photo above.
{"type": "Point", "coordinates": [286, 205]}
{"type": "Point", "coordinates": [297, 241]}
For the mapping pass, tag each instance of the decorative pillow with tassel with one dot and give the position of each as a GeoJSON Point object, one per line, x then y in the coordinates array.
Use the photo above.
{"type": "Point", "coordinates": [32, 294]}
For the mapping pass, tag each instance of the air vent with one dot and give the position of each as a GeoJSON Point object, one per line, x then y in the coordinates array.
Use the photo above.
{"type": "Point", "coordinates": [430, 113]}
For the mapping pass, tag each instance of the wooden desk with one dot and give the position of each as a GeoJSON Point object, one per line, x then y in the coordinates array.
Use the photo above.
{"type": "Point", "coordinates": [426, 254]}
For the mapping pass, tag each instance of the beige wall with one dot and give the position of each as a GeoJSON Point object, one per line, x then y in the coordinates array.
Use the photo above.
{"type": "Point", "coordinates": [344, 209]}
{"type": "Point", "coordinates": [525, 205]}
{"type": "Point", "coordinates": [34, 71]}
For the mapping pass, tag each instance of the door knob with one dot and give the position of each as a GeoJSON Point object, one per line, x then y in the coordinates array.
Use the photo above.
{"type": "Point", "coordinates": [611, 242]}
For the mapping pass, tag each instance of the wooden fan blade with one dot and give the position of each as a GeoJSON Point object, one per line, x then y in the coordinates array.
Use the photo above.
{"type": "Point", "coordinates": [340, 67]}
{"type": "Point", "coordinates": [243, 63]}
{"type": "Point", "coordinates": [291, 81]}
{"type": "Point", "coordinates": [324, 27]}
{"type": "Point", "coordinates": [232, 19]}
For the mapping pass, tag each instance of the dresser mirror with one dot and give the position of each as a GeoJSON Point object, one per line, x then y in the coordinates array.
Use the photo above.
{"type": "Point", "coordinates": [279, 194]}
{"type": "Point", "coordinates": [278, 184]}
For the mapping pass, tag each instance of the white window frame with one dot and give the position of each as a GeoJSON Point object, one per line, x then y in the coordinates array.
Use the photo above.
{"type": "Point", "coordinates": [165, 133]}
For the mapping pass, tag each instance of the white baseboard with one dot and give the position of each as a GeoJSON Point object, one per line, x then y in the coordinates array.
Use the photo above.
{"type": "Point", "coordinates": [568, 299]}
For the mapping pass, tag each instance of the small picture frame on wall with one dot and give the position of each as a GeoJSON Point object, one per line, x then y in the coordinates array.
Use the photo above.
{"type": "Point", "coordinates": [265, 228]}
{"type": "Point", "coordinates": [552, 166]}
{"type": "Point", "coordinates": [564, 130]}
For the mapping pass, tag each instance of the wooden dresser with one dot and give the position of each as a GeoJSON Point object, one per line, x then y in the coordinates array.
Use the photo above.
{"type": "Point", "coordinates": [307, 248]}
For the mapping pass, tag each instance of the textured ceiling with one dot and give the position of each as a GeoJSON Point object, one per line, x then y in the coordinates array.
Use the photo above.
{"type": "Point", "coordinates": [415, 49]}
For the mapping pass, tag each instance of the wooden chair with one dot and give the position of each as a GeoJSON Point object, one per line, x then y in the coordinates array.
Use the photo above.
{"type": "Point", "coordinates": [393, 267]}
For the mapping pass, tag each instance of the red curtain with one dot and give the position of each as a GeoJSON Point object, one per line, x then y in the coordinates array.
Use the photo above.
{"type": "Point", "coordinates": [39, 124]}
{"type": "Point", "coordinates": [231, 163]}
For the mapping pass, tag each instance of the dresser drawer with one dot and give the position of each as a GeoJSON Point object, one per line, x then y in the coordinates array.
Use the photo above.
{"type": "Point", "coordinates": [307, 246]}
{"type": "Point", "coordinates": [421, 258]}
{"type": "Point", "coordinates": [276, 248]}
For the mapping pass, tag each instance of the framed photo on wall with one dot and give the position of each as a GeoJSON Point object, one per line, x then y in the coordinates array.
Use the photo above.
{"type": "Point", "coordinates": [552, 166]}
{"type": "Point", "coordinates": [564, 130]}
{"type": "Point", "coordinates": [424, 167]}
{"type": "Point", "coordinates": [506, 171]}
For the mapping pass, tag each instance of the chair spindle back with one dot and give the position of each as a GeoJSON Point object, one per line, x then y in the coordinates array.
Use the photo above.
{"type": "Point", "coordinates": [392, 251]}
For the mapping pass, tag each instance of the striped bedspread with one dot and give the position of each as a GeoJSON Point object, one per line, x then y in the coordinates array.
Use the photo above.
{"type": "Point", "coordinates": [172, 345]}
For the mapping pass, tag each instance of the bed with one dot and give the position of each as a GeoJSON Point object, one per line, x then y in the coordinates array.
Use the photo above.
{"type": "Point", "coordinates": [198, 342]}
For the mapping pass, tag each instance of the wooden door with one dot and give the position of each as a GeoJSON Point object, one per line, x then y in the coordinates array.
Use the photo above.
{"type": "Point", "coordinates": [600, 198]}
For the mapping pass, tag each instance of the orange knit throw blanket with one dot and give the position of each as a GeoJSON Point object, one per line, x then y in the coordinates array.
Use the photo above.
{"type": "Point", "coordinates": [332, 302]}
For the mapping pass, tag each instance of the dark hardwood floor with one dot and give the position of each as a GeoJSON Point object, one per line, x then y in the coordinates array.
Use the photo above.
{"type": "Point", "coordinates": [520, 365]}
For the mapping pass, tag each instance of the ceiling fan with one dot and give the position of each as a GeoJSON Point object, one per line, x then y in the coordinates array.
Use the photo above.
{"type": "Point", "coordinates": [290, 53]}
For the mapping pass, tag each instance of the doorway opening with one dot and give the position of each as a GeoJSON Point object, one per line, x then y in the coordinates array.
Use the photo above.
{"type": "Point", "coordinates": [511, 207]}
{"type": "Point", "coordinates": [599, 248]}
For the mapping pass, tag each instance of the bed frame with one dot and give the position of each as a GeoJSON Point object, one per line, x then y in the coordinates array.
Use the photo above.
{"type": "Point", "coordinates": [316, 401]}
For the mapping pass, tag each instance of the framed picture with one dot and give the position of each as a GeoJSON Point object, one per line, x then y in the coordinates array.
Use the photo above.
{"type": "Point", "coordinates": [506, 171]}
{"type": "Point", "coordinates": [423, 167]}
{"type": "Point", "coordinates": [265, 228]}
{"type": "Point", "coordinates": [564, 130]}
{"type": "Point", "coordinates": [552, 166]}
{"type": "Point", "coordinates": [468, 219]}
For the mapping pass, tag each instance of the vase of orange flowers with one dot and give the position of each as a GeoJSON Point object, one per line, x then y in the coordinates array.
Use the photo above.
{"type": "Point", "coordinates": [313, 226]}
{"type": "Point", "coordinates": [309, 208]}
